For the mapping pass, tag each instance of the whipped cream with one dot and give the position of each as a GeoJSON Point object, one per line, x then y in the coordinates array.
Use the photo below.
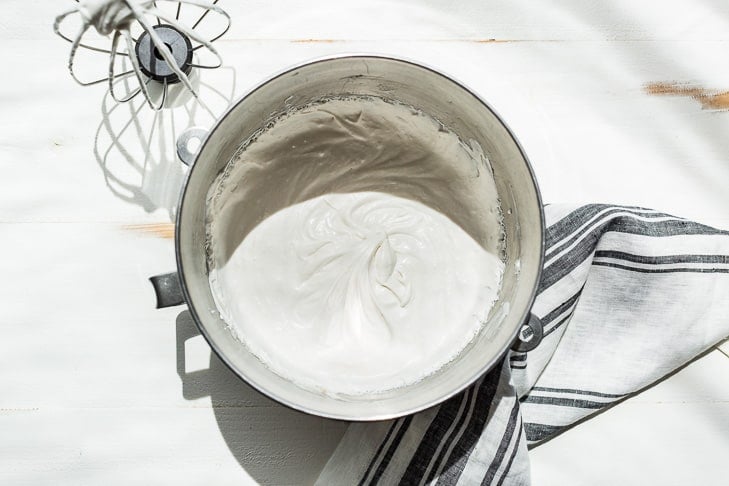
{"type": "Point", "coordinates": [353, 245]}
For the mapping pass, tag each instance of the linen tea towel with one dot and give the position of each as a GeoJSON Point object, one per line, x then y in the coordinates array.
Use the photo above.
{"type": "Point", "coordinates": [627, 296]}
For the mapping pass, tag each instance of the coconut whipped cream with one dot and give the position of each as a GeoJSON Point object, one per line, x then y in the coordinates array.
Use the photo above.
{"type": "Point", "coordinates": [353, 245]}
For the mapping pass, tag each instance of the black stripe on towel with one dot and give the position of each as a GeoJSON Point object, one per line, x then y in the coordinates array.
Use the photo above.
{"type": "Point", "coordinates": [549, 331]}
{"type": "Point", "coordinates": [566, 263]}
{"type": "Point", "coordinates": [503, 446]}
{"type": "Point", "coordinates": [569, 303]}
{"type": "Point", "coordinates": [536, 432]}
{"type": "Point", "coordinates": [391, 450]}
{"type": "Point", "coordinates": [562, 229]}
{"type": "Point", "coordinates": [465, 445]}
{"type": "Point", "coordinates": [511, 459]}
{"type": "Point", "coordinates": [447, 441]}
{"type": "Point", "coordinates": [565, 402]}
{"type": "Point", "coordinates": [661, 270]}
{"type": "Point", "coordinates": [679, 227]}
{"type": "Point", "coordinates": [376, 457]}
{"type": "Point", "coordinates": [559, 310]}
{"type": "Point", "coordinates": [450, 412]}
{"type": "Point", "coordinates": [560, 234]}
{"type": "Point", "coordinates": [661, 260]}
{"type": "Point", "coordinates": [577, 392]}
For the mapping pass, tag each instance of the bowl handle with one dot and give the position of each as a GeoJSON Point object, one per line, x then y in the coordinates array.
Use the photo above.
{"type": "Point", "coordinates": [168, 290]}
{"type": "Point", "coordinates": [529, 336]}
{"type": "Point", "coordinates": [189, 143]}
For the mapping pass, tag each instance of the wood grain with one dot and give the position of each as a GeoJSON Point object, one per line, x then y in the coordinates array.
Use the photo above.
{"type": "Point", "coordinates": [316, 41]}
{"type": "Point", "coordinates": [709, 100]}
{"type": "Point", "coordinates": [161, 230]}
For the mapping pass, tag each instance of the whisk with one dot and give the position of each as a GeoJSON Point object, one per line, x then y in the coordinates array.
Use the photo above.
{"type": "Point", "coordinates": [163, 53]}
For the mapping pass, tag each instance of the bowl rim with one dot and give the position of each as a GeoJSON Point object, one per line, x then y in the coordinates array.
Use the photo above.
{"type": "Point", "coordinates": [488, 364]}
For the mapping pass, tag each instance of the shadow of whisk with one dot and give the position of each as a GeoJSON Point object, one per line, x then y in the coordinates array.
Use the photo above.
{"type": "Point", "coordinates": [135, 146]}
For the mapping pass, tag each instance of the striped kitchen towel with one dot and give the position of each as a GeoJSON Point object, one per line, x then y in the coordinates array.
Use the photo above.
{"type": "Point", "coordinates": [627, 296]}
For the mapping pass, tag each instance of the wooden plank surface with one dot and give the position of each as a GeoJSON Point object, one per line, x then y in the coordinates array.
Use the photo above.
{"type": "Point", "coordinates": [614, 102]}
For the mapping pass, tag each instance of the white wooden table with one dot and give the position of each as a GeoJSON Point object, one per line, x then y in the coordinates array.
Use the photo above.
{"type": "Point", "coordinates": [98, 387]}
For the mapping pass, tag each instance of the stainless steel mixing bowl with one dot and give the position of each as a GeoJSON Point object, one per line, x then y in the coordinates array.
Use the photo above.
{"type": "Point", "coordinates": [457, 108]}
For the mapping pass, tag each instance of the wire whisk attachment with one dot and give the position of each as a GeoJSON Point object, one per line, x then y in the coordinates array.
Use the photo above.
{"type": "Point", "coordinates": [146, 40]}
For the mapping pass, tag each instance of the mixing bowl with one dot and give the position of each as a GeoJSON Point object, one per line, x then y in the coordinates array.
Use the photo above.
{"type": "Point", "coordinates": [460, 110]}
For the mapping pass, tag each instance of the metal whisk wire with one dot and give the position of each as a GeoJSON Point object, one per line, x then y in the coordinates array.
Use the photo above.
{"type": "Point", "coordinates": [163, 53]}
